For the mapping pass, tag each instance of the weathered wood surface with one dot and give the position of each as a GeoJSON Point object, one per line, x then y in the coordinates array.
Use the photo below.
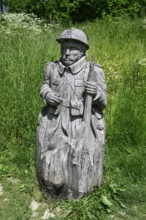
{"type": "Point", "coordinates": [71, 131]}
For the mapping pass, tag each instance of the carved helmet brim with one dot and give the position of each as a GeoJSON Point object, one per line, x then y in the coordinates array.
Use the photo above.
{"type": "Point", "coordinates": [73, 34]}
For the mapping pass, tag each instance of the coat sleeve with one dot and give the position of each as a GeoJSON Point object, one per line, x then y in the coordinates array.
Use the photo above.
{"type": "Point", "coordinates": [100, 100]}
{"type": "Point", "coordinates": [45, 89]}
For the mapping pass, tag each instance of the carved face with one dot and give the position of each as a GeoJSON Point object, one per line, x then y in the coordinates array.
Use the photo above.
{"type": "Point", "coordinates": [71, 52]}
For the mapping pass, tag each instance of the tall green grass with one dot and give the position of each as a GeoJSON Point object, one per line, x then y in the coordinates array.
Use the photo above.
{"type": "Point", "coordinates": [120, 46]}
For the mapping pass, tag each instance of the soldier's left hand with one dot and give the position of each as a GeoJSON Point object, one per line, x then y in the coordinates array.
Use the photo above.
{"type": "Point", "coordinates": [91, 88]}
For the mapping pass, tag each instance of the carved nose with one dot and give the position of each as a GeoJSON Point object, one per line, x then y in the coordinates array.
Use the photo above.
{"type": "Point", "coordinates": [67, 52]}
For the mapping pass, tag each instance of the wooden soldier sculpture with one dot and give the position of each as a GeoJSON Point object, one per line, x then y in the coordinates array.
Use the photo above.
{"type": "Point", "coordinates": [71, 129]}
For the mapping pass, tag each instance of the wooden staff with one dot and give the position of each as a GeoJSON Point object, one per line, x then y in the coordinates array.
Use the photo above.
{"type": "Point", "coordinates": [89, 97]}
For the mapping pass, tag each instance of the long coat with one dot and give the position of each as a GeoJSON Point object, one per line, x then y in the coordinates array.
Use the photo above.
{"type": "Point", "coordinates": [61, 130]}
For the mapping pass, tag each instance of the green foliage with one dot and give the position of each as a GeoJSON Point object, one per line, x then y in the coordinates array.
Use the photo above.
{"type": "Point", "coordinates": [119, 45]}
{"type": "Point", "coordinates": [78, 10]}
{"type": "Point", "coordinates": [121, 7]}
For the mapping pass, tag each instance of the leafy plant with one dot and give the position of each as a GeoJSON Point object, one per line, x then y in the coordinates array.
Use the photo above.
{"type": "Point", "coordinates": [77, 11]}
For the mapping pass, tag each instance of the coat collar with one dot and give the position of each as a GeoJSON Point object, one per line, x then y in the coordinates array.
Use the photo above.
{"type": "Point", "coordinates": [75, 68]}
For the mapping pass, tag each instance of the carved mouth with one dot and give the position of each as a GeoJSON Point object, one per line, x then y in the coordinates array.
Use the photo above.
{"type": "Point", "coordinates": [67, 60]}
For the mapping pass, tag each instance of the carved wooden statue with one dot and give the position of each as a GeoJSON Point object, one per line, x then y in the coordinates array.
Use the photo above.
{"type": "Point", "coordinates": [71, 129]}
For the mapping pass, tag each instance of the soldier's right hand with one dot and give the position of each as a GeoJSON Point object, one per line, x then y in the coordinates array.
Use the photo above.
{"type": "Point", "coordinates": [53, 98]}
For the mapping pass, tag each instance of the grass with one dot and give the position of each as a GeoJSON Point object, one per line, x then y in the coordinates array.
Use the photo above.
{"type": "Point", "coordinates": [119, 45]}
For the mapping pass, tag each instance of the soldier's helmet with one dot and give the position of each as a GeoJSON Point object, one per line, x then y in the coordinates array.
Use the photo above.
{"type": "Point", "coordinates": [75, 35]}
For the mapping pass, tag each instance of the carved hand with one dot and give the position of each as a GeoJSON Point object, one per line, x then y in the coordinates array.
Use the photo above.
{"type": "Point", "coordinates": [53, 98]}
{"type": "Point", "coordinates": [91, 88]}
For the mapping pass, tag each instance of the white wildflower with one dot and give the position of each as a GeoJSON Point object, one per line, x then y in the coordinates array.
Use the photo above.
{"type": "Point", "coordinates": [11, 23]}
